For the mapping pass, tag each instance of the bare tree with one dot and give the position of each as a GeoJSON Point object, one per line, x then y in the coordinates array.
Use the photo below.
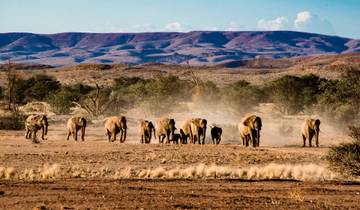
{"type": "Point", "coordinates": [11, 79]}
{"type": "Point", "coordinates": [95, 104]}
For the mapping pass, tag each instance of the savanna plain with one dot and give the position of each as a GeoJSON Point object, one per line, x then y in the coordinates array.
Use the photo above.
{"type": "Point", "coordinates": [97, 174]}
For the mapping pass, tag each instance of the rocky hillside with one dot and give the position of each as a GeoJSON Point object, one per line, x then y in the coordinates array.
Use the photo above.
{"type": "Point", "coordinates": [197, 48]}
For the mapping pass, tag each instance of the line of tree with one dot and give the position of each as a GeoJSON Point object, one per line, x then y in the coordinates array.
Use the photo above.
{"type": "Point", "coordinates": [339, 99]}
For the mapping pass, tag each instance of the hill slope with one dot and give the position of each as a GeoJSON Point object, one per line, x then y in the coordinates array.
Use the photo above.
{"type": "Point", "coordinates": [197, 47]}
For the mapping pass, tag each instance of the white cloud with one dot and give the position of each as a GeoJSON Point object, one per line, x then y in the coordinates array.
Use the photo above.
{"type": "Point", "coordinates": [275, 24]}
{"type": "Point", "coordinates": [309, 22]}
{"type": "Point", "coordinates": [302, 18]}
{"type": "Point", "coordinates": [174, 26]}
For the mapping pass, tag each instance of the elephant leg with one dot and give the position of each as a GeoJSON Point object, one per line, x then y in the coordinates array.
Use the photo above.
{"type": "Point", "coordinates": [34, 135]}
{"type": "Point", "coordinates": [253, 140]}
{"type": "Point", "coordinates": [142, 139]}
{"type": "Point", "coordinates": [69, 133]}
{"type": "Point", "coordinates": [26, 132]}
{"type": "Point", "coordinates": [75, 134]}
{"type": "Point", "coordinates": [114, 136]}
{"type": "Point", "coordinates": [83, 134]}
{"type": "Point", "coordinates": [43, 133]}
{"type": "Point", "coordinates": [310, 139]}
{"type": "Point", "coordinates": [108, 133]}
{"type": "Point", "coordinates": [304, 140]}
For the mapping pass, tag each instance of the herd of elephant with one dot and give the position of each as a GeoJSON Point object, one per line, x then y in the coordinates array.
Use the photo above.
{"type": "Point", "coordinates": [193, 129]}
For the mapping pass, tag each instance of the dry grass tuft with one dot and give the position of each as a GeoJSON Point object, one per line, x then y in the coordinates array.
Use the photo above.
{"type": "Point", "coordinates": [302, 172]}
{"type": "Point", "coordinates": [296, 195]}
{"type": "Point", "coordinates": [50, 171]}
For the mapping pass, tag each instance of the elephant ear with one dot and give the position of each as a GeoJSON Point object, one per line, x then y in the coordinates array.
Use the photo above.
{"type": "Point", "coordinates": [249, 121]}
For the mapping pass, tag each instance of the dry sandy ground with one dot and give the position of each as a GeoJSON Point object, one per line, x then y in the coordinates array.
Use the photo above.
{"type": "Point", "coordinates": [177, 194]}
{"type": "Point", "coordinates": [97, 174]}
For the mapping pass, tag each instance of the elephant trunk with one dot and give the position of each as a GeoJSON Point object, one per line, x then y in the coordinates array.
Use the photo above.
{"type": "Point", "coordinates": [154, 132]}
{"type": "Point", "coordinates": [83, 133]}
{"type": "Point", "coordinates": [171, 136]}
{"type": "Point", "coordinates": [258, 137]}
{"type": "Point", "coordinates": [317, 138]}
{"type": "Point", "coordinates": [203, 135]}
{"type": "Point", "coordinates": [46, 129]}
{"type": "Point", "coordinates": [123, 136]}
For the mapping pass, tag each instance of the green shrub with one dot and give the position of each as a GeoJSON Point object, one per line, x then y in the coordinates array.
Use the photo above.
{"type": "Point", "coordinates": [293, 94]}
{"type": "Point", "coordinates": [340, 99]}
{"type": "Point", "coordinates": [13, 122]}
{"type": "Point", "coordinates": [242, 97]}
{"type": "Point", "coordinates": [205, 93]}
{"type": "Point", "coordinates": [42, 86]}
{"type": "Point", "coordinates": [62, 100]}
{"type": "Point", "coordinates": [156, 96]}
{"type": "Point", "coordinates": [345, 158]}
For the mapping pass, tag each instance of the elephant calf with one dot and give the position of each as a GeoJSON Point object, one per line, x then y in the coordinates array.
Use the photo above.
{"type": "Point", "coordinates": [33, 123]}
{"type": "Point", "coordinates": [74, 124]}
{"type": "Point", "coordinates": [146, 130]}
{"type": "Point", "coordinates": [176, 138]}
{"type": "Point", "coordinates": [216, 134]}
{"type": "Point", "coordinates": [115, 125]}
{"type": "Point", "coordinates": [310, 129]}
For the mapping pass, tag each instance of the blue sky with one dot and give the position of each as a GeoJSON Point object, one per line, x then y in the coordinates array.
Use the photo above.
{"type": "Point", "coordinates": [337, 17]}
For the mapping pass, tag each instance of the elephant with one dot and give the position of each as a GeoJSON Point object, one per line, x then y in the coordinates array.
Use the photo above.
{"type": "Point", "coordinates": [195, 129]}
{"type": "Point", "coordinates": [251, 130]}
{"type": "Point", "coordinates": [33, 123]}
{"type": "Point", "coordinates": [115, 125]}
{"type": "Point", "coordinates": [176, 138]}
{"type": "Point", "coordinates": [245, 132]}
{"type": "Point", "coordinates": [74, 124]}
{"type": "Point", "coordinates": [311, 128]}
{"type": "Point", "coordinates": [146, 130]}
{"type": "Point", "coordinates": [216, 134]}
{"type": "Point", "coordinates": [165, 127]}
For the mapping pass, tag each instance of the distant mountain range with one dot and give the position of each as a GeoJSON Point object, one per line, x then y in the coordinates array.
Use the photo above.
{"type": "Point", "coordinates": [197, 48]}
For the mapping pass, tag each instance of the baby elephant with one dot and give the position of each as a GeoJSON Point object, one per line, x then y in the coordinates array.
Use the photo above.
{"type": "Point", "coordinates": [74, 124]}
{"type": "Point", "coordinates": [176, 138]}
{"type": "Point", "coordinates": [216, 134]}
